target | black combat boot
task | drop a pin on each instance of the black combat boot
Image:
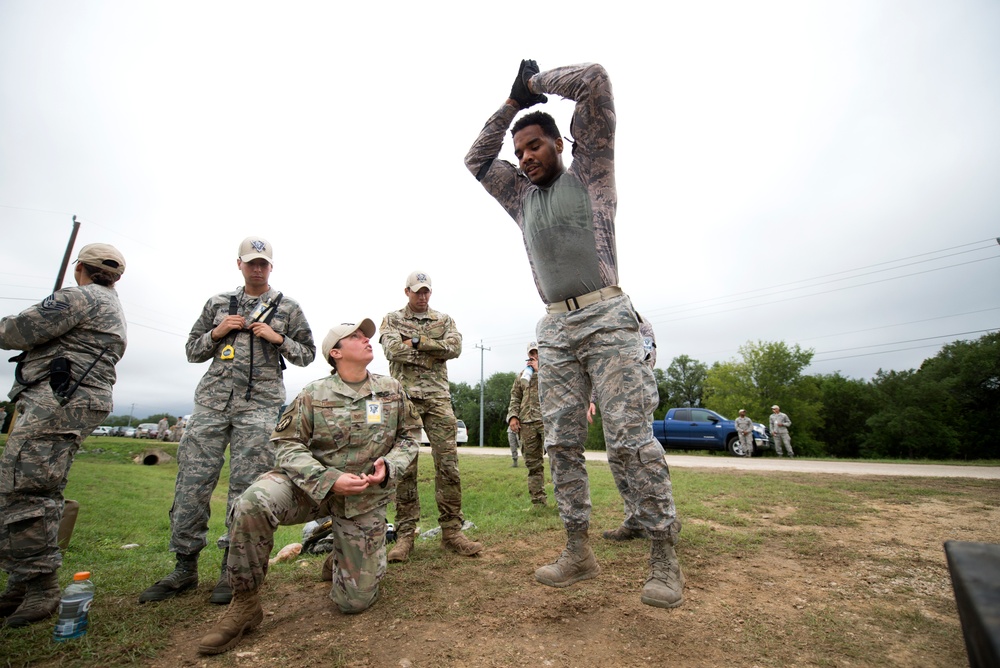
(223, 593)
(184, 577)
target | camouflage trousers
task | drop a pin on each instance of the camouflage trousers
(440, 425)
(273, 500)
(33, 473)
(746, 442)
(200, 457)
(514, 445)
(531, 436)
(599, 347)
(783, 439)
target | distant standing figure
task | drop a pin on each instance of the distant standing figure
(779, 430)
(3, 419)
(744, 430)
(72, 341)
(247, 334)
(514, 445)
(162, 429)
(524, 417)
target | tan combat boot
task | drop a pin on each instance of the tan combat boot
(242, 615)
(455, 541)
(401, 552)
(326, 575)
(665, 586)
(41, 600)
(577, 562)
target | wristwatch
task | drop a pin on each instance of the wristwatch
(415, 341)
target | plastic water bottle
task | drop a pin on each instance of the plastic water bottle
(527, 374)
(74, 607)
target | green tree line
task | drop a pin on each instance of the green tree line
(949, 408)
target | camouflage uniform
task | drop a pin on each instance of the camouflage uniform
(569, 235)
(424, 375)
(75, 323)
(323, 434)
(513, 443)
(224, 415)
(524, 406)
(779, 424)
(744, 431)
(614, 462)
(163, 429)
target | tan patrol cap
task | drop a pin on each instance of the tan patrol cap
(255, 247)
(104, 256)
(775, 408)
(417, 280)
(344, 330)
(532, 346)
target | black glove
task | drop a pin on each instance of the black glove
(519, 92)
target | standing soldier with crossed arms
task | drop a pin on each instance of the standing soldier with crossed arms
(418, 341)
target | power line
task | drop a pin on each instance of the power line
(902, 324)
(896, 343)
(823, 292)
(992, 242)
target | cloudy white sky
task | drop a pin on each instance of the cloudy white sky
(820, 173)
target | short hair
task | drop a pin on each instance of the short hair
(539, 118)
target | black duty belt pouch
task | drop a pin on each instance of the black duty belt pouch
(59, 376)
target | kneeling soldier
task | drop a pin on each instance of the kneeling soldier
(340, 448)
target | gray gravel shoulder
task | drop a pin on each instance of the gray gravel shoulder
(797, 465)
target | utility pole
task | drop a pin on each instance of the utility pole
(130, 411)
(482, 388)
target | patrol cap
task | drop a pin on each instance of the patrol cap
(743, 410)
(104, 256)
(253, 248)
(417, 280)
(344, 330)
(775, 407)
(532, 346)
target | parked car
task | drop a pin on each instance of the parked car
(101, 431)
(127, 432)
(702, 429)
(461, 435)
(147, 430)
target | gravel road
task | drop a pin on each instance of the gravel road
(719, 461)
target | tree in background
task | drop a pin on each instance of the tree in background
(465, 404)
(496, 398)
(847, 405)
(769, 372)
(913, 420)
(684, 382)
(949, 408)
(970, 372)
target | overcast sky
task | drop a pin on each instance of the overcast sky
(820, 173)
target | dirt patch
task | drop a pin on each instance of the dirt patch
(873, 594)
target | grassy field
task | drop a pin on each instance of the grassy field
(123, 503)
